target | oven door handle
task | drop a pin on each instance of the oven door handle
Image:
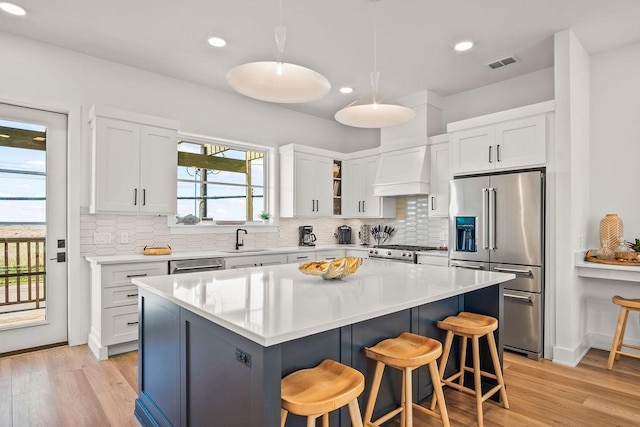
(514, 271)
(470, 267)
(518, 297)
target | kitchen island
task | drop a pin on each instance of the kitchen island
(214, 346)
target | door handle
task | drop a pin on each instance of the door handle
(136, 275)
(433, 203)
(498, 152)
(131, 295)
(485, 218)
(363, 210)
(514, 270)
(518, 297)
(135, 197)
(470, 267)
(144, 197)
(60, 257)
(359, 209)
(492, 219)
(132, 323)
(490, 160)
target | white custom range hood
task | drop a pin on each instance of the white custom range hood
(404, 167)
(403, 172)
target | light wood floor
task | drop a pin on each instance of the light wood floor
(67, 386)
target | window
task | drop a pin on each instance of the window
(221, 181)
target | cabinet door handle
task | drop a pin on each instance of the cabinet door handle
(363, 206)
(303, 257)
(498, 152)
(359, 202)
(136, 275)
(131, 295)
(514, 271)
(490, 148)
(132, 323)
(317, 205)
(135, 197)
(144, 197)
(518, 297)
(433, 203)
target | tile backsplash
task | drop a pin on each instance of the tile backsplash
(412, 224)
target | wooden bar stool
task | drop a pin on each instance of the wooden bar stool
(618, 337)
(406, 353)
(474, 326)
(317, 391)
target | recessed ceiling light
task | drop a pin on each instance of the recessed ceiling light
(2, 135)
(346, 89)
(462, 46)
(13, 9)
(217, 41)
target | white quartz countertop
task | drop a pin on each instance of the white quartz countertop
(274, 304)
(118, 259)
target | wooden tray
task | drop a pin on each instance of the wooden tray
(591, 258)
(164, 250)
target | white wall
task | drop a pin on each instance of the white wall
(517, 92)
(615, 156)
(42, 75)
(571, 194)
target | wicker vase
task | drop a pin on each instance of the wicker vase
(611, 231)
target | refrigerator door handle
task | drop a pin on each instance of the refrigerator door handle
(485, 218)
(492, 219)
(470, 267)
(518, 297)
(514, 270)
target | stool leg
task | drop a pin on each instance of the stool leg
(311, 420)
(354, 413)
(443, 362)
(477, 378)
(373, 394)
(437, 391)
(496, 366)
(624, 328)
(283, 417)
(403, 400)
(617, 337)
(463, 360)
(325, 419)
(408, 387)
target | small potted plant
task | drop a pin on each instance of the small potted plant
(635, 247)
(265, 216)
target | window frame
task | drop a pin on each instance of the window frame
(268, 189)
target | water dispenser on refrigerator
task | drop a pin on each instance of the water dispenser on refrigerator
(466, 234)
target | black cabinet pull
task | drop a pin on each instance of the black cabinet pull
(490, 147)
(136, 275)
(135, 197)
(132, 323)
(498, 151)
(131, 295)
(144, 197)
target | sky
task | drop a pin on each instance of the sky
(22, 185)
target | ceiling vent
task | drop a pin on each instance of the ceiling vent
(503, 62)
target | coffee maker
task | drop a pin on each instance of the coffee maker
(343, 234)
(306, 236)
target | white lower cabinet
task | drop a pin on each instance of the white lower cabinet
(254, 261)
(433, 260)
(114, 305)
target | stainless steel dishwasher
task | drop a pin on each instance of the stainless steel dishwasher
(195, 265)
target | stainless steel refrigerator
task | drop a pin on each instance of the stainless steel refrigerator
(496, 223)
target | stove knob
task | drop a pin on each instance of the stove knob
(389, 253)
(405, 254)
(375, 252)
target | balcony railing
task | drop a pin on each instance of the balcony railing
(22, 273)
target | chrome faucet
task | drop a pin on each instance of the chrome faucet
(238, 242)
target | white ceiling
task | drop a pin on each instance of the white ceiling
(334, 37)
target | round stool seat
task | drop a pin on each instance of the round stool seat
(469, 324)
(321, 389)
(631, 304)
(405, 351)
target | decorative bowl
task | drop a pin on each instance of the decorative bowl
(334, 269)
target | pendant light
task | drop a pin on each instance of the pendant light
(278, 81)
(373, 111)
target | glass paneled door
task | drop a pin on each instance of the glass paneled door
(33, 187)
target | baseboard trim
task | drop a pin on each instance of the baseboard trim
(571, 356)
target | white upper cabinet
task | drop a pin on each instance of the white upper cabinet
(358, 199)
(134, 163)
(440, 175)
(511, 139)
(306, 182)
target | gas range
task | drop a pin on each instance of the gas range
(399, 253)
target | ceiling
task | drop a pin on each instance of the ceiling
(334, 37)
